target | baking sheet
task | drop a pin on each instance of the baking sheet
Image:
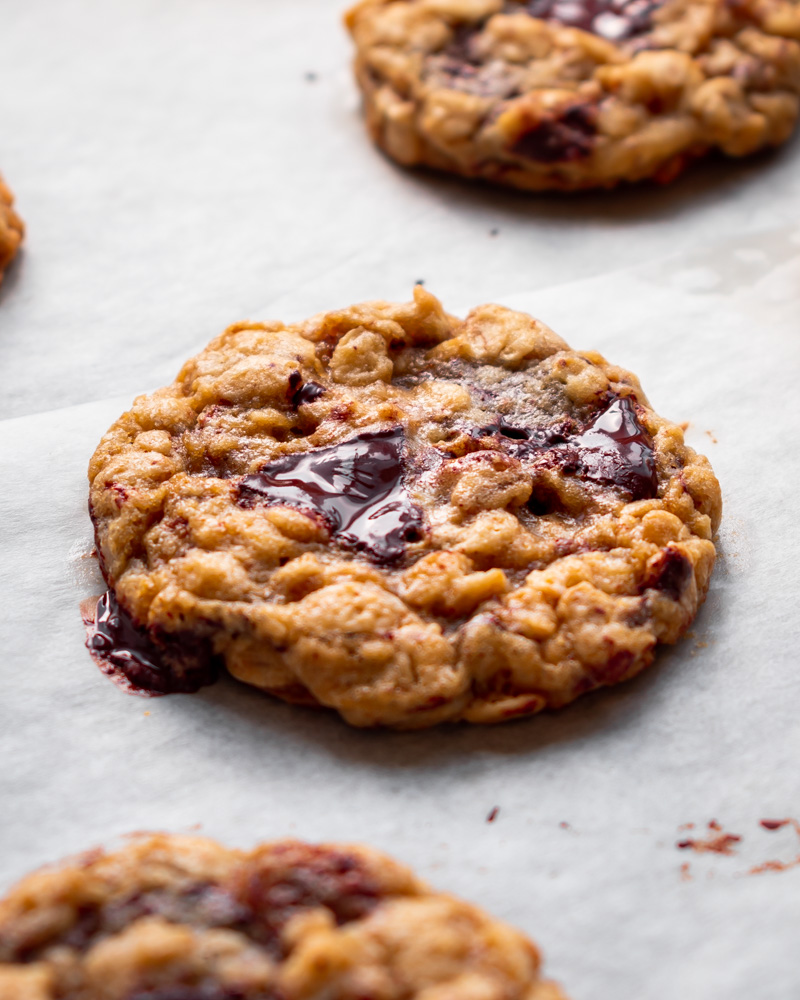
(178, 172)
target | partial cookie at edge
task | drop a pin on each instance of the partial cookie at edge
(11, 228)
(169, 915)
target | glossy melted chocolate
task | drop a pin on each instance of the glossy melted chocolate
(122, 649)
(309, 392)
(613, 450)
(355, 487)
(616, 20)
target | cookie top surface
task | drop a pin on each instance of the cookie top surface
(571, 94)
(404, 516)
(11, 228)
(180, 918)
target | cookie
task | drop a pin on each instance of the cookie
(11, 228)
(400, 515)
(181, 918)
(573, 94)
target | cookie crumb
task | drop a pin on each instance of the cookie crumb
(686, 875)
(493, 815)
(774, 824)
(722, 844)
(564, 825)
(774, 866)
(713, 438)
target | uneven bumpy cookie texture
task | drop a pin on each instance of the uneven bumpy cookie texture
(11, 228)
(404, 516)
(571, 94)
(180, 918)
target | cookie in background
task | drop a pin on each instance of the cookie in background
(574, 94)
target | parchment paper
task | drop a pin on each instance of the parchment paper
(178, 172)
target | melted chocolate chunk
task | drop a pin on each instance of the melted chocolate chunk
(178, 664)
(523, 442)
(355, 487)
(560, 140)
(507, 430)
(203, 904)
(615, 20)
(307, 393)
(302, 877)
(615, 450)
(670, 573)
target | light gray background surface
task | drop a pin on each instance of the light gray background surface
(177, 172)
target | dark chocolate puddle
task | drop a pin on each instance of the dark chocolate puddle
(138, 663)
(355, 487)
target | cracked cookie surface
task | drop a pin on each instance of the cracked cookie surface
(11, 228)
(400, 515)
(574, 94)
(182, 918)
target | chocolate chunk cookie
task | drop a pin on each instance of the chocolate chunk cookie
(572, 94)
(180, 918)
(400, 515)
(11, 228)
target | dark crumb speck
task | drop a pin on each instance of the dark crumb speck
(494, 232)
(311, 77)
(420, 281)
(493, 815)
(774, 824)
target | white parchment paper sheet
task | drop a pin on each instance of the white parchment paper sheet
(178, 172)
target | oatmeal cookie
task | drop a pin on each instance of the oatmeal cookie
(573, 94)
(11, 228)
(400, 515)
(182, 918)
